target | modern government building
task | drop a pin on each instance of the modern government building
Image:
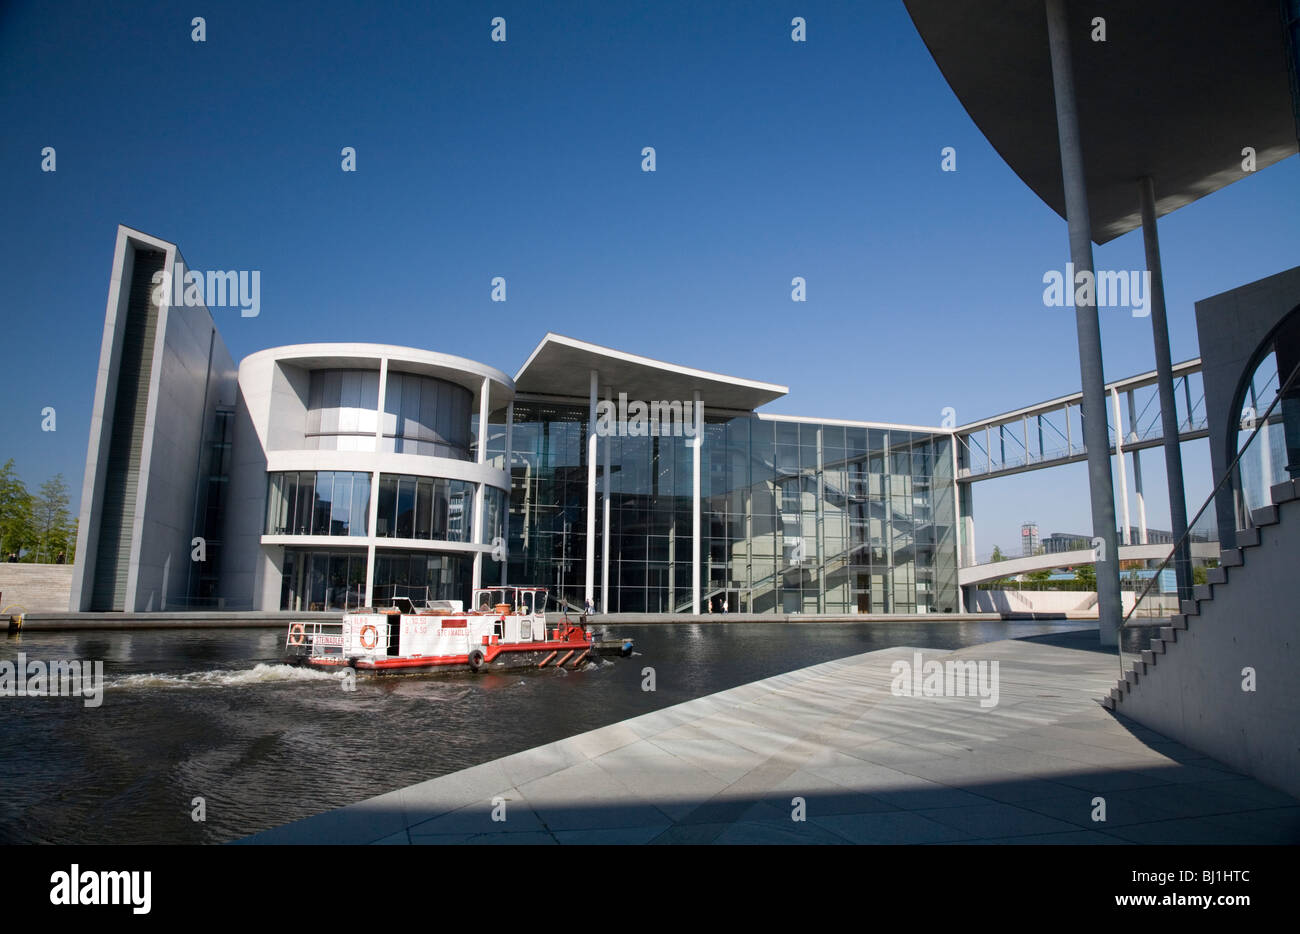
(326, 476)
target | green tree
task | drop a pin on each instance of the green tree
(16, 532)
(997, 554)
(1086, 574)
(51, 521)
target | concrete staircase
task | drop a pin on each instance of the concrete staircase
(1203, 594)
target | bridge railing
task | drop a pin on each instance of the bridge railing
(1052, 432)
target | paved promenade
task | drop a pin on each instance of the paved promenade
(867, 767)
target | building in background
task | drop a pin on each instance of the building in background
(1029, 539)
(327, 476)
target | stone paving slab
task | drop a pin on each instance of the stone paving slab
(834, 745)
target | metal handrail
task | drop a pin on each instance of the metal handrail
(1185, 541)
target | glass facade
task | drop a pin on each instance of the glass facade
(430, 509)
(310, 502)
(423, 415)
(797, 517)
(318, 579)
(422, 575)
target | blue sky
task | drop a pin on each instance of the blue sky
(477, 159)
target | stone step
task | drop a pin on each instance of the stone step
(1230, 558)
(1148, 657)
(1168, 635)
(1203, 592)
(1178, 622)
(1284, 492)
(1247, 538)
(1108, 703)
(1189, 608)
(1158, 646)
(1264, 515)
(1217, 575)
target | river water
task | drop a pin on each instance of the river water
(213, 713)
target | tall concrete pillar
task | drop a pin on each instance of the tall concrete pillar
(372, 527)
(604, 530)
(1165, 386)
(510, 490)
(1137, 472)
(1124, 530)
(1109, 605)
(697, 444)
(480, 490)
(589, 593)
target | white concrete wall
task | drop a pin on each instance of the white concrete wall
(242, 567)
(290, 391)
(1194, 693)
(1073, 602)
(37, 588)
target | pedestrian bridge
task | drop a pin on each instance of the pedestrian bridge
(979, 573)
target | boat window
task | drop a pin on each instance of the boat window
(486, 600)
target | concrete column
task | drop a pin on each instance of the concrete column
(510, 488)
(373, 529)
(604, 529)
(370, 575)
(484, 397)
(589, 592)
(821, 520)
(965, 521)
(1137, 472)
(697, 443)
(372, 532)
(1165, 385)
(1109, 606)
(1124, 533)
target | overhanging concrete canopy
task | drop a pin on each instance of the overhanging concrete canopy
(562, 366)
(1176, 91)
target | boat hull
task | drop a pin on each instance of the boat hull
(494, 658)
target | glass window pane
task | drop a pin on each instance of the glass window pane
(423, 504)
(360, 517)
(341, 504)
(320, 522)
(386, 520)
(405, 507)
(306, 503)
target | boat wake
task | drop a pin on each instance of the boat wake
(260, 673)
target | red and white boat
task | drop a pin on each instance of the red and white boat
(509, 629)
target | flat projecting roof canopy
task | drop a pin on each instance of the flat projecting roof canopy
(1176, 91)
(562, 366)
